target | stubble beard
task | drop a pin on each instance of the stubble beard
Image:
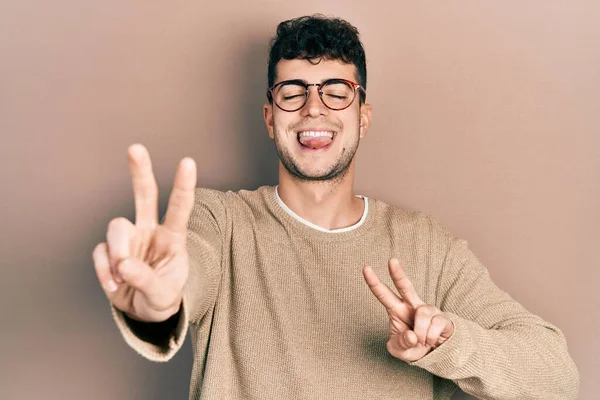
(334, 174)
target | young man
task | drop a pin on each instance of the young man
(283, 296)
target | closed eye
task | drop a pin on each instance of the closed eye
(337, 96)
(292, 97)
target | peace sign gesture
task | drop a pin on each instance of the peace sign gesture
(143, 267)
(415, 328)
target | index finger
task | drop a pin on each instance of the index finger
(181, 201)
(145, 190)
(403, 284)
(383, 293)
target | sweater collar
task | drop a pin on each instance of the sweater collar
(317, 227)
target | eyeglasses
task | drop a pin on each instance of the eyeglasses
(336, 94)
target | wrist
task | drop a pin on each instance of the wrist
(155, 316)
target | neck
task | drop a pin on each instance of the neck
(328, 204)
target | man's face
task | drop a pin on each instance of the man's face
(302, 138)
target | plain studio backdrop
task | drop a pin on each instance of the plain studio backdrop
(486, 115)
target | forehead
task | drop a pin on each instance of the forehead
(314, 73)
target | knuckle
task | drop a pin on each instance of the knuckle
(439, 319)
(424, 311)
(138, 280)
(389, 346)
(392, 346)
(99, 250)
(391, 329)
(129, 271)
(151, 189)
(102, 269)
(117, 223)
(406, 282)
(135, 273)
(147, 197)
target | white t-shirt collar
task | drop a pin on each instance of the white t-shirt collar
(317, 227)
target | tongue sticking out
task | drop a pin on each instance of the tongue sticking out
(315, 142)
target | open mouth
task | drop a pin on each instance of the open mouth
(315, 140)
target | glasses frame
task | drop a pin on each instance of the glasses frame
(300, 82)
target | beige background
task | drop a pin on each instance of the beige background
(486, 115)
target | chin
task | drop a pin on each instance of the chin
(331, 174)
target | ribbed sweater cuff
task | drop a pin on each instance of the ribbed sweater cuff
(154, 352)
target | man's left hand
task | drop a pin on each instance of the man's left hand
(415, 328)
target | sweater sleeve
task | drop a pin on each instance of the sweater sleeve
(161, 341)
(498, 350)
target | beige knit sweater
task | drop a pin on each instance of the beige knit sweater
(279, 310)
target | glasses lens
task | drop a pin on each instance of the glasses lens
(290, 96)
(337, 94)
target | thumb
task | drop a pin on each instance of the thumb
(139, 275)
(158, 301)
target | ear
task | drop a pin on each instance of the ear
(268, 116)
(366, 113)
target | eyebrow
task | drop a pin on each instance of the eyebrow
(305, 82)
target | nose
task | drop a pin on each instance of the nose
(314, 107)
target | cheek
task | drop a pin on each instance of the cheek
(281, 123)
(350, 125)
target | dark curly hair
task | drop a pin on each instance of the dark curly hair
(317, 37)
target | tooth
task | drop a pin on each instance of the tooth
(316, 134)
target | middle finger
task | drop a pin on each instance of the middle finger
(181, 201)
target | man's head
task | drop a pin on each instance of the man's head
(316, 37)
(317, 88)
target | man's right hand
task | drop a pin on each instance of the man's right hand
(143, 267)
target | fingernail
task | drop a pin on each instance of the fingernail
(111, 286)
(136, 149)
(118, 278)
(187, 163)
